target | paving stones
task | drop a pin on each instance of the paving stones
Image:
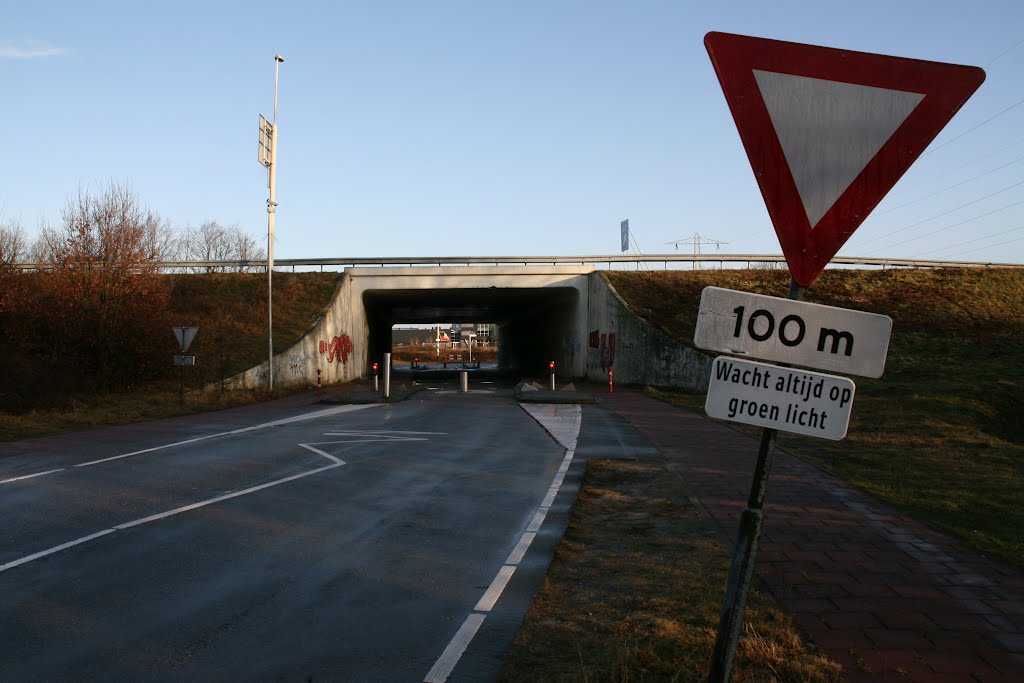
(886, 597)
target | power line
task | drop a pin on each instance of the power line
(948, 227)
(993, 246)
(939, 215)
(1004, 53)
(971, 130)
(950, 187)
(977, 239)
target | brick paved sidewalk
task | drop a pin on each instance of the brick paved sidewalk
(889, 599)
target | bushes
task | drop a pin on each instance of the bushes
(97, 317)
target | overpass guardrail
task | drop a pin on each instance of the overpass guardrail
(640, 261)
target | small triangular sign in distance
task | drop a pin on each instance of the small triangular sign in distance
(185, 335)
(829, 132)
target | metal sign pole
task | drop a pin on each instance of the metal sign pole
(742, 570)
(271, 210)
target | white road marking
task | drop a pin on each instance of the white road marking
(445, 664)
(517, 554)
(335, 462)
(30, 476)
(309, 447)
(494, 591)
(226, 496)
(176, 511)
(55, 549)
(563, 423)
(276, 423)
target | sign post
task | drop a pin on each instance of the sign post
(184, 335)
(828, 133)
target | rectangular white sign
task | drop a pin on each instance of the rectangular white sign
(787, 399)
(813, 335)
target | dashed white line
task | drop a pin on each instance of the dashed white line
(494, 591)
(563, 422)
(445, 664)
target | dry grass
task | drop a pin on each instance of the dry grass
(635, 590)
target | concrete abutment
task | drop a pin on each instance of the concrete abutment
(567, 314)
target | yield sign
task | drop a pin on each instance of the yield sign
(829, 132)
(185, 335)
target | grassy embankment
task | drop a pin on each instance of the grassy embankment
(231, 313)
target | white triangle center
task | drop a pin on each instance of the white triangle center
(829, 131)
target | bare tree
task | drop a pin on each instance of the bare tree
(212, 241)
(13, 244)
(103, 294)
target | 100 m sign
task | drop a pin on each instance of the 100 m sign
(797, 332)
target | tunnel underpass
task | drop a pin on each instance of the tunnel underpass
(532, 323)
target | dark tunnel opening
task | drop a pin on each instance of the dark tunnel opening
(531, 322)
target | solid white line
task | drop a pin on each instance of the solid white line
(444, 665)
(519, 552)
(55, 549)
(494, 591)
(276, 423)
(227, 496)
(330, 457)
(386, 439)
(30, 476)
(550, 498)
(171, 513)
(381, 432)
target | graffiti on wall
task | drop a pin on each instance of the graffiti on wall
(604, 342)
(338, 349)
(297, 363)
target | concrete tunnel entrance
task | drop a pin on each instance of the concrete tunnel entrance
(532, 323)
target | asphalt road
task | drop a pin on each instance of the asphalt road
(396, 542)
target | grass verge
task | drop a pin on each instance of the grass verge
(153, 402)
(634, 593)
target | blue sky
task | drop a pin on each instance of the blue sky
(479, 128)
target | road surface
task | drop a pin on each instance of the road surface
(348, 542)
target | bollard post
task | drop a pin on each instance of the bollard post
(464, 382)
(387, 376)
(611, 384)
(318, 384)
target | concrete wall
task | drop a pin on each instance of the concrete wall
(335, 344)
(573, 316)
(637, 352)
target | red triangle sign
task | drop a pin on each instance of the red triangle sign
(829, 132)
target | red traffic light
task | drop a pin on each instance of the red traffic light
(375, 367)
(551, 365)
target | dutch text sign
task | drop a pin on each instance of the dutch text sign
(787, 399)
(789, 331)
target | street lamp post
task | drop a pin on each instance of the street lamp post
(268, 157)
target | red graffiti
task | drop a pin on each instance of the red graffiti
(605, 349)
(595, 339)
(338, 349)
